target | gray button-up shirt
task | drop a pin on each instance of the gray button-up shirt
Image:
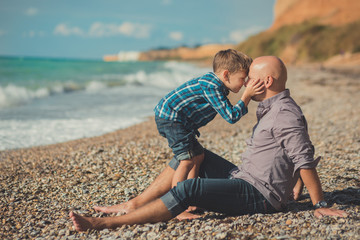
(279, 147)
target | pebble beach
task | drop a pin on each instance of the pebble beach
(39, 186)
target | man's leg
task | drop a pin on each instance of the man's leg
(159, 187)
(153, 212)
(213, 166)
(229, 196)
(216, 192)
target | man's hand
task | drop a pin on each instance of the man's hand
(321, 212)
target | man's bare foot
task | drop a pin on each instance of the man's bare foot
(186, 216)
(123, 208)
(82, 223)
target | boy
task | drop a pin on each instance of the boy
(195, 103)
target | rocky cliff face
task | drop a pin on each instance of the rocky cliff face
(328, 12)
(286, 12)
(184, 53)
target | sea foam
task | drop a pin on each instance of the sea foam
(12, 95)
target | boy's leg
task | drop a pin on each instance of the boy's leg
(152, 212)
(159, 187)
(197, 160)
(194, 173)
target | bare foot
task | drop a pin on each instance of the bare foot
(191, 209)
(186, 215)
(82, 223)
(194, 209)
(123, 208)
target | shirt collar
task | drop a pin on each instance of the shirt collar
(265, 105)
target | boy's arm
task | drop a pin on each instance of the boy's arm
(313, 185)
(222, 105)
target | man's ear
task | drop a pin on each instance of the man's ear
(269, 81)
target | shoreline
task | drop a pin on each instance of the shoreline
(40, 185)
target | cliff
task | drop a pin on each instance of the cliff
(302, 31)
(184, 53)
(326, 12)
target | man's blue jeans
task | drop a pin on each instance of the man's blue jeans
(216, 191)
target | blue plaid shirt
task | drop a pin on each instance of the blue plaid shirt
(196, 102)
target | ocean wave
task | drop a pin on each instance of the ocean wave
(12, 95)
(95, 86)
(170, 76)
(167, 75)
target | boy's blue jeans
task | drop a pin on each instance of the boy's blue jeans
(216, 191)
(181, 140)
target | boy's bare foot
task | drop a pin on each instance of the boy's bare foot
(187, 216)
(194, 209)
(82, 223)
(123, 208)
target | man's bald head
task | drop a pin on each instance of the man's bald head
(272, 71)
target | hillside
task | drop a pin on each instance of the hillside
(306, 43)
(323, 12)
(303, 31)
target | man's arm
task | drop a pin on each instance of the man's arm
(313, 185)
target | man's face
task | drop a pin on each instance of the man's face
(253, 76)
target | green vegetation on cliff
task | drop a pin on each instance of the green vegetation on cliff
(312, 42)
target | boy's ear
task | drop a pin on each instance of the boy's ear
(226, 75)
(269, 81)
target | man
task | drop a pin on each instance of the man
(278, 153)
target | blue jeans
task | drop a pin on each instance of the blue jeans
(181, 140)
(216, 191)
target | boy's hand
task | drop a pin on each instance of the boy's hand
(254, 87)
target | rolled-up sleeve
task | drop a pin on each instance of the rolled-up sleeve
(292, 135)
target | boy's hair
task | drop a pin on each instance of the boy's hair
(231, 60)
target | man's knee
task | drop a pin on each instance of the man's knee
(187, 190)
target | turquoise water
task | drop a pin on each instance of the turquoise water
(45, 101)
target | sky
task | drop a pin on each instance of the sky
(89, 29)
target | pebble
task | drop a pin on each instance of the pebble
(39, 186)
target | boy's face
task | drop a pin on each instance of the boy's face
(235, 81)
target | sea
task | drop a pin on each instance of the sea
(45, 101)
